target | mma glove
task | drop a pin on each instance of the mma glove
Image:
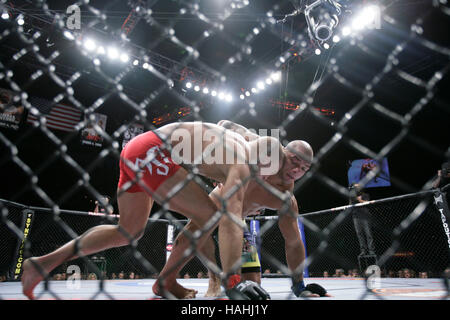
(300, 290)
(246, 290)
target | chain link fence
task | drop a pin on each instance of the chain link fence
(366, 235)
(346, 253)
(393, 77)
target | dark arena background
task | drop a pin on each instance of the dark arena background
(366, 83)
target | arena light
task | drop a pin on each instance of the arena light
(336, 39)
(188, 85)
(20, 20)
(346, 31)
(197, 88)
(113, 53)
(229, 98)
(367, 17)
(5, 15)
(276, 76)
(89, 44)
(317, 52)
(260, 85)
(205, 90)
(124, 57)
(214, 93)
(69, 35)
(136, 62)
(101, 50)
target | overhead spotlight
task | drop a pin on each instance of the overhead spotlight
(221, 96)
(136, 62)
(124, 57)
(326, 46)
(254, 90)
(317, 52)
(346, 31)
(20, 20)
(197, 88)
(276, 76)
(247, 93)
(260, 85)
(367, 17)
(229, 97)
(68, 35)
(101, 50)
(214, 93)
(5, 15)
(113, 53)
(146, 66)
(205, 90)
(336, 39)
(242, 97)
(89, 44)
(188, 85)
(269, 81)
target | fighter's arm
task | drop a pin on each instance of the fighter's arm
(295, 252)
(231, 225)
(294, 247)
(233, 189)
(243, 131)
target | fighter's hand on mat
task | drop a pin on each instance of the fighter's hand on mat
(247, 290)
(312, 290)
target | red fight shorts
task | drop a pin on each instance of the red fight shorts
(145, 155)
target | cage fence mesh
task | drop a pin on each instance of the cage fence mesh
(393, 77)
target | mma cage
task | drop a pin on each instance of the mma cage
(408, 231)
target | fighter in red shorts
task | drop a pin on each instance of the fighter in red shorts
(298, 156)
(149, 172)
(146, 151)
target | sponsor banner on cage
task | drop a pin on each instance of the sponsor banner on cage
(132, 131)
(91, 135)
(27, 222)
(11, 112)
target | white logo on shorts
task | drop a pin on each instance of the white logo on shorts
(150, 160)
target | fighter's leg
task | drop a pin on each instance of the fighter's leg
(214, 283)
(134, 210)
(193, 202)
(208, 250)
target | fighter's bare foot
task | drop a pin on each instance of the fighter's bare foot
(213, 293)
(173, 290)
(30, 278)
(214, 288)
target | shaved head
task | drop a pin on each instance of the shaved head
(302, 149)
